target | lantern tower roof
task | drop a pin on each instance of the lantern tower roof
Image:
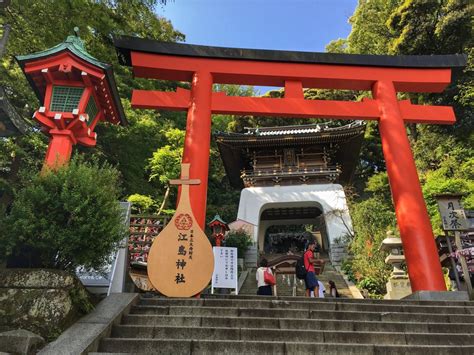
(216, 221)
(100, 73)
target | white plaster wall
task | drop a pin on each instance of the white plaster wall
(328, 197)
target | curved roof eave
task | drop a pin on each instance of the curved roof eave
(109, 75)
(125, 44)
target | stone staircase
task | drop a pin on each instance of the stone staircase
(285, 282)
(292, 325)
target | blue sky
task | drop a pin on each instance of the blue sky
(300, 25)
(306, 25)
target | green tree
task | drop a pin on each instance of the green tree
(141, 203)
(66, 218)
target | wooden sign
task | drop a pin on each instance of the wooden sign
(180, 261)
(452, 213)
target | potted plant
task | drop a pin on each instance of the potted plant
(239, 239)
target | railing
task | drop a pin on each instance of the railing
(277, 175)
(286, 264)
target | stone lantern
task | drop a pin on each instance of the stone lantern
(76, 92)
(219, 228)
(398, 285)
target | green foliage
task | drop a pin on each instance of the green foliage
(379, 186)
(346, 268)
(374, 286)
(81, 300)
(165, 163)
(438, 182)
(238, 239)
(370, 34)
(371, 218)
(141, 203)
(66, 218)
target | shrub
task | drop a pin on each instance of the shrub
(65, 218)
(239, 239)
(346, 268)
(141, 203)
(372, 285)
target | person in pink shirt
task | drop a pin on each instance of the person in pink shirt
(311, 281)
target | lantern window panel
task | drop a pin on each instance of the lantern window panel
(65, 98)
(91, 109)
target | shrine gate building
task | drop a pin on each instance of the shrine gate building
(292, 175)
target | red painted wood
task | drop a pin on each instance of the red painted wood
(293, 89)
(63, 58)
(59, 148)
(66, 69)
(419, 246)
(426, 114)
(197, 142)
(246, 72)
(160, 100)
(236, 105)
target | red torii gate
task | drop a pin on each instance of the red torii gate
(383, 75)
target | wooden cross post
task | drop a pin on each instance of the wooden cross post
(185, 180)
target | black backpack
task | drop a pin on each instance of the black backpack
(300, 269)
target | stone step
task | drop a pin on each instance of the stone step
(300, 335)
(293, 323)
(329, 299)
(184, 346)
(285, 283)
(327, 305)
(393, 315)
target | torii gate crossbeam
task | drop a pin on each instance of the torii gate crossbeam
(384, 76)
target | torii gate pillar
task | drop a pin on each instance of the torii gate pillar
(197, 141)
(410, 209)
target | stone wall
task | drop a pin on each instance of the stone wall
(337, 254)
(43, 301)
(251, 256)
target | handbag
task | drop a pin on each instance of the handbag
(268, 278)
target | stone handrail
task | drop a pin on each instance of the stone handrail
(285, 264)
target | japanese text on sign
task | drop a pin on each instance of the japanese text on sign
(185, 251)
(452, 214)
(225, 268)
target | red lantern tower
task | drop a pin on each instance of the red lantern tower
(219, 227)
(76, 91)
